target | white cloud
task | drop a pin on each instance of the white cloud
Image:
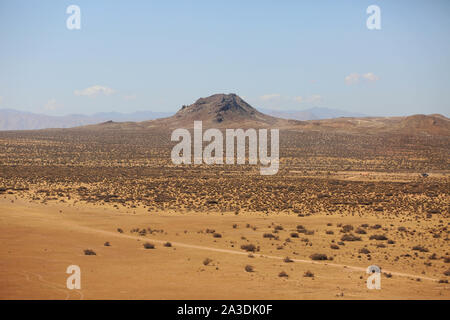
(370, 76)
(94, 91)
(51, 105)
(271, 96)
(299, 99)
(354, 78)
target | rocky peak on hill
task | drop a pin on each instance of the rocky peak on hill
(220, 108)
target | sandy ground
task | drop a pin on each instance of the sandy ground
(39, 242)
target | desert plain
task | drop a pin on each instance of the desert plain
(108, 199)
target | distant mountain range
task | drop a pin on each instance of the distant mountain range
(19, 120)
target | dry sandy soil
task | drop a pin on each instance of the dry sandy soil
(39, 241)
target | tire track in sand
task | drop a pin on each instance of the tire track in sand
(229, 251)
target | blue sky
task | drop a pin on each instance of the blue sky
(285, 55)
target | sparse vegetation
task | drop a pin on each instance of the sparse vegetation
(283, 274)
(350, 237)
(364, 251)
(89, 252)
(318, 256)
(308, 274)
(420, 248)
(378, 237)
(149, 245)
(248, 247)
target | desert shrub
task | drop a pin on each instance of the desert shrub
(119, 230)
(420, 248)
(149, 245)
(443, 281)
(388, 275)
(402, 229)
(268, 235)
(294, 235)
(381, 245)
(391, 241)
(217, 235)
(334, 246)
(318, 256)
(207, 261)
(308, 274)
(360, 231)
(329, 232)
(376, 226)
(89, 252)
(107, 244)
(447, 273)
(287, 260)
(364, 251)
(279, 228)
(249, 268)
(347, 228)
(167, 244)
(433, 257)
(283, 274)
(235, 226)
(249, 247)
(350, 237)
(378, 237)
